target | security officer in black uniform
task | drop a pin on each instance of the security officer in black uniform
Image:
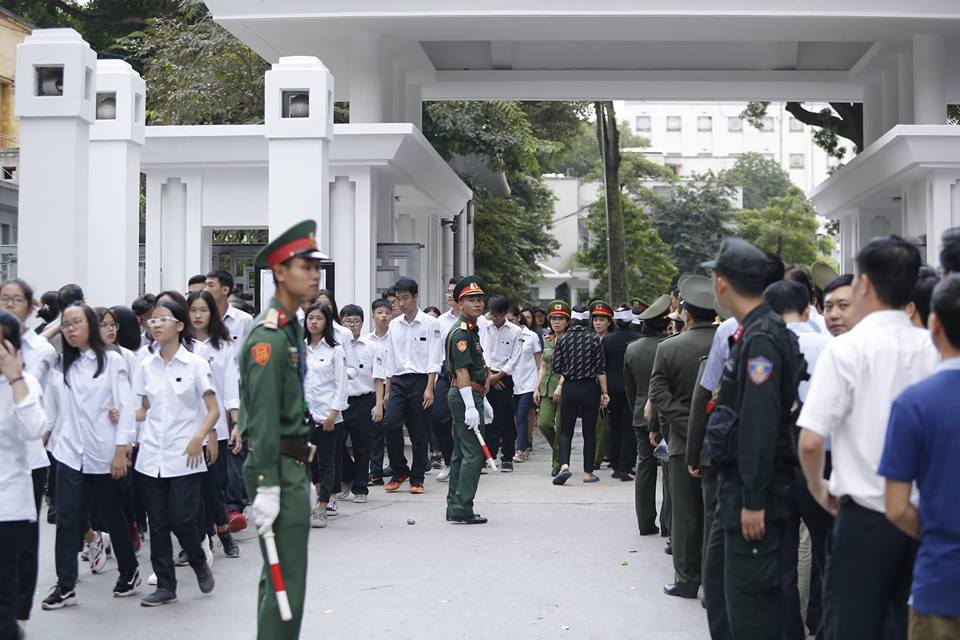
(754, 534)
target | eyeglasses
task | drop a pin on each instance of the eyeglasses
(159, 322)
(76, 324)
(109, 326)
(15, 300)
(351, 321)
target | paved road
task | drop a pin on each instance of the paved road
(551, 563)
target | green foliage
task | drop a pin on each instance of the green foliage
(760, 178)
(786, 227)
(755, 112)
(695, 218)
(649, 268)
(581, 151)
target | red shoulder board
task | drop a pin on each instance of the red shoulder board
(282, 318)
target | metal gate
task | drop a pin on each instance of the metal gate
(397, 260)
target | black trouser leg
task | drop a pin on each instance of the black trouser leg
(503, 429)
(666, 509)
(406, 406)
(212, 504)
(106, 495)
(713, 582)
(235, 490)
(323, 468)
(71, 523)
(708, 486)
(628, 447)
(377, 446)
(155, 494)
(13, 538)
(29, 552)
(619, 417)
(340, 449)
(793, 628)
(818, 522)
(52, 483)
(579, 398)
(645, 484)
(359, 423)
(687, 524)
(441, 422)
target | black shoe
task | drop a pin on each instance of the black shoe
(562, 477)
(375, 482)
(506, 466)
(205, 578)
(474, 519)
(127, 584)
(554, 472)
(59, 598)
(158, 598)
(649, 532)
(615, 475)
(681, 590)
(436, 461)
(230, 547)
(51, 515)
(182, 559)
(626, 477)
(668, 548)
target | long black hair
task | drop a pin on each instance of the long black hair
(128, 327)
(103, 312)
(333, 301)
(71, 354)
(186, 336)
(10, 328)
(328, 333)
(216, 329)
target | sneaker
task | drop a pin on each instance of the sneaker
(416, 487)
(344, 495)
(236, 521)
(127, 584)
(375, 482)
(506, 466)
(230, 547)
(59, 598)
(332, 509)
(360, 498)
(158, 598)
(395, 483)
(135, 537)
(444, 474)
(436, 460)
(97, 554)
(182, 559)
(205, 579)
(318, 518)
(152, 580)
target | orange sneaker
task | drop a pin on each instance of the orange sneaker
(395, 483)
(416, 488)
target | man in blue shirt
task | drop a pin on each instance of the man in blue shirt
(923, 447)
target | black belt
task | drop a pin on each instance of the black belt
(297, 448)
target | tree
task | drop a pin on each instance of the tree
(649, 268)
(760, 178)
(580, 152)
(695, 218)
(608, 137)
(840, 120)
(787, 227)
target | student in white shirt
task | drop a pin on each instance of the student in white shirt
(358, 417)
(525, 378)
(441, 422)
(220, 285)
(501, 344)
(208, 330)
(381, 312)
(179, 410)
(325, 390)
(92, 452)
(21, 421)
(343, 336)
(858, 375)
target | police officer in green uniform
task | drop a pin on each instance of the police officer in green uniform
(276, 471)
(468, 373)
(754, 534)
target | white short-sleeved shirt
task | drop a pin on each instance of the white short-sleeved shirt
(413, 347)
(325, 385)
(501, 346)
(365, 350)
(858, 375)
(238, 323)
(226, 379)
(175, 391)
(719, 350)
(812, 343)
(39, 359)
(380, 355)
(20, 425)
(526, 371)
(87, 439)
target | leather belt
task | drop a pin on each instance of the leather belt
(298, 449)
(479, 388)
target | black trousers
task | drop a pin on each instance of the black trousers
(323, 469)
(686, 525)
(868, 575)
(645, 484)
(13, 539)
(213, 511)
(235, 492)
(405, 406)
(501, 433)
(579, 399)
(819, 523)
(358, 423)
(441, 422)
(172, 505)
(620, 443)
(104, 493)
(29, 562)
(708, 485)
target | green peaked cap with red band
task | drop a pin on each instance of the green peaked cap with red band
(559, 308)
(468, 286)
(300, 240)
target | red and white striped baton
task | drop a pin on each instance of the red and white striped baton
(486, 450)
(283, 604)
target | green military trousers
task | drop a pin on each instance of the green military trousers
(645, 483)
(292, 530)
(468, 458)
(603, 435)
(547, 421)
(686, 522)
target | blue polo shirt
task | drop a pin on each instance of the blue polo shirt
(923, 446)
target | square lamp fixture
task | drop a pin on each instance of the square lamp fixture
(107, 105)
(49, 81)
(295, 103)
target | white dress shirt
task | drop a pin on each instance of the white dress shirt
(39, 359)
(238, 323)
(501, 346)
(817, 322)
(325, 385)
(812, 344)
(526, 372)
(413, 347)
(88, 440)
(226, 380)
(20, 424)
(858, 376)
(719, 350)
(176, 393)
(365, 350)
(380, 355)
(54, 401)
(447, 322)
(345, 337)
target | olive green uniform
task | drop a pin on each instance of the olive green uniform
(637, 366)
(549, 410)
(463, 352)
(271, 411)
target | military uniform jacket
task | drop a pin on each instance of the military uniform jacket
(271, 365)
(697, 424)
(674, 378)
(463, 351)
(637, 366)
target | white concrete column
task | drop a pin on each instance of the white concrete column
(434, 250)
(173, 235)
(447, 240)
(905, 87)
(929, 79)
(889, 99)
(940, 213)
(367, 70)
(116, 139)
(154, 234)
(461, 267)
(55, 98)
(471, 218)
(365, 241)
(872, 115)
(193, 227)
(383, 192)
(849, 241)
(299, 128)
(914, 210)
(343, 236)
(413, 104)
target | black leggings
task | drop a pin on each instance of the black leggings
(579, 398)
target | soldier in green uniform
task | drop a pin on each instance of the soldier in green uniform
(468, 373)
(276, 471)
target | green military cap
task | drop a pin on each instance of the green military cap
(600, 308)
(300, 240)
(658, 309)
(468, 286)
(697, 291)
(637, 301)
(558, 308)
(822, 273)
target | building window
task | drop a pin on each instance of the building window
(5, 234)
(674, 123)
(796, 160)
(675, 168)
(704, 123)
(9, 173)
(736, 156)
(766, 124)
(796, 125)
(768, 156)
(734, 124)
(643, 123)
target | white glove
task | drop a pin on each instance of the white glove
(487, 412)
(265, 508)
(471, 416)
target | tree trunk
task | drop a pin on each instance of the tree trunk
(609, 138)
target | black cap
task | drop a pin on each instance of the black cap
(739, 260)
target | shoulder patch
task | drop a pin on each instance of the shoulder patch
(272, 321)
(462, 346)
(260, 352)
(464, 326)
(759, 370)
